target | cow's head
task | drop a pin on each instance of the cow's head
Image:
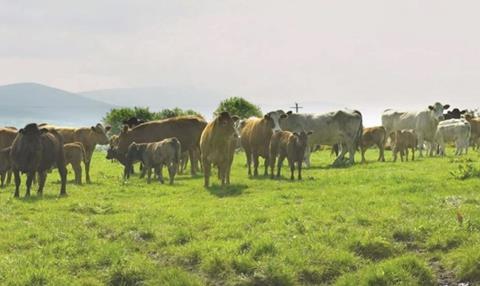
(436, 110)
(276, 116)
(290, 121)
(226, 123)
(302, 138)
(99, 134)
(454, 114)
(269, 123)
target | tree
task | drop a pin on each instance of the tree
(168, 113)
(238, 106)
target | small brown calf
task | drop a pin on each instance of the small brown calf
(402, 141)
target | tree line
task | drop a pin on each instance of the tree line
(234, 105)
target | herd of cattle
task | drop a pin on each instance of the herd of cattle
(36, 149)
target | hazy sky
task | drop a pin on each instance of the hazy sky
(361, 54)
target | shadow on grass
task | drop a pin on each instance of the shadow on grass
(227, 191)
(34, 197)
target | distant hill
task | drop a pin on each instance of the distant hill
(22, 103)
(160, 97)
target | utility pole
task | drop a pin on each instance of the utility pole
(296, 107)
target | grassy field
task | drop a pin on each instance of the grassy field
(376, 224)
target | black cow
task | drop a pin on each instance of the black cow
(454, 114)
(133, 121)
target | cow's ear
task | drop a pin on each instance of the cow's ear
(295, 133)
(289, 112)
(92, 128)
(43, 130)
(283, 116)
(21, 131)
(235, 118)
(266, 116)
(430, 107)
(310, 132)
(446, 106)
(108, 127)
(463, 111)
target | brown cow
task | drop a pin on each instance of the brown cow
(255, 140)
(475, 131)
(402, 140)
(217, 146)
(292, 146)
(88, 136)
(155, 155)
(187, 129)
(373, 136)
(75, 155)
(5, 166)
(37, 150)
(7, 135)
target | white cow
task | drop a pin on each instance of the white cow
(453, 130)
(423, 122)
(339, 127)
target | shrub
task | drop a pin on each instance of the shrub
(238, 106)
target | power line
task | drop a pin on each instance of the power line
(296, 107)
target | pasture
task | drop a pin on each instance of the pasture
(376, 224)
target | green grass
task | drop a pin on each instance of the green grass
(374, 224)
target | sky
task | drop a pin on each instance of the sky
(366, 55)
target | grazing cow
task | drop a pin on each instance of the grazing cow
(217, 146)
(5, 166)
(255, 140)
(453, 130)
(402, 140)
(423, 122)
(475, 129)
(155, 155)
(373, 136)
(289, 145)
(343, 127)
(133, 121)
(7, 136)
(75, 155)
(37, 150)
(454, 114)
(88, 136)
(187, 129)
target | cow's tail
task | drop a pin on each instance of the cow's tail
(358, 136)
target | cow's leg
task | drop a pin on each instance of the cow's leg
(420, 144)
(229, 169)
(363, 150)
(406, 154)
(291, 165)
(206, 171)
(29, 183)
(172, 170)
(248, 155)
(279, 164)
(87, 169)
(42, 177)
(16, 175)
(77, 169)
(306, 156)
(255, 163)
(299, 163)
(265, 173)
(149, 173)
(62, 171)
(273, 158)
(413, 153)
(3, 174)
(9, 177)
(193, 162)
(351, 153)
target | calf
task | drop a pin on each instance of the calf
(217, 147)
(37, 150)
(155, 155)
(5, 166)
(373, 136)
(453, 130)
(255, 140)
(402, 140)
(290, 145)
(75, 155)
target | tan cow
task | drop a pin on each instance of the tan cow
(5, 166)
(475, 129)
(88, 136)
(217, 146)
(288, 145)
(75, 154)
(404, 139)
(255, 140)
(7, 135)
(373, 136)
